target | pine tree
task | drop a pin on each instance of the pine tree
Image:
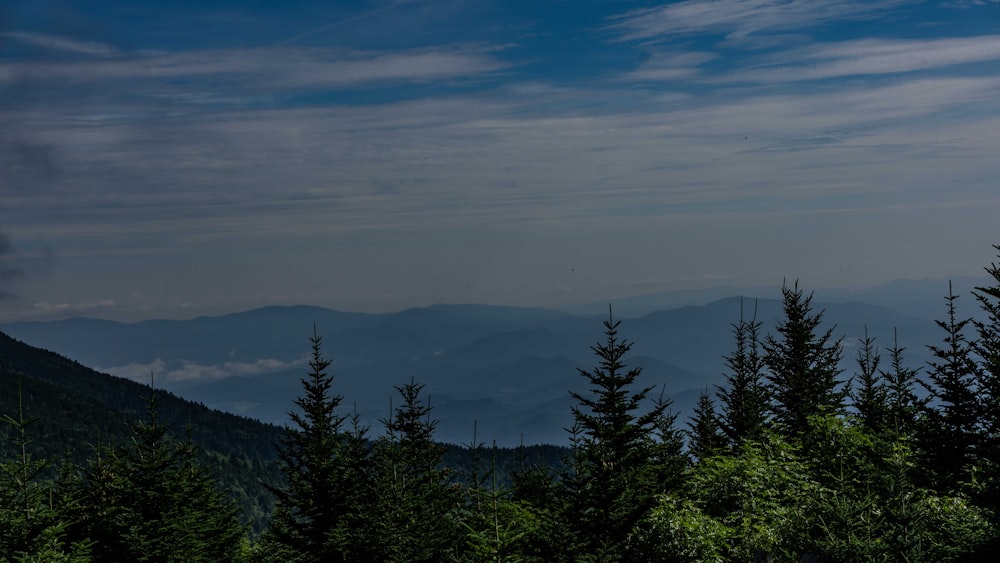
(870, 396)
(152, 501)
(705, 437)
(34, 511)
(948, 435)
(616, 476)
(987, 350)
(744, 396)
(326, 473)
(417, 510)
(902, 402)
(802, 365)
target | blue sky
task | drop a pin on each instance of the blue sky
(169, 159)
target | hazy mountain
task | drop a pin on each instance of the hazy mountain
(511, 369)
(918, 298)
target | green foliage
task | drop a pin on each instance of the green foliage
(760, 495)
(497, 527)
(33, 511)
(151, 500)
(417, 505)
(677, 529)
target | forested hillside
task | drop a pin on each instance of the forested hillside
(793, 456)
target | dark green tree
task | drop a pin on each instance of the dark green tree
(802, 365)
(616, 470)
(743, 397)
(417, 504)
(869, 395)
(904, 406)
(151, 500)
(949, 432)
(34, 511)
(987, 351)
(705, 437)
(323, 510)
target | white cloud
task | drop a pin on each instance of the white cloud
(275, 68)
(63, 44)
(69, 309)
(185, 371)
(869, 57)
(670, 66)
(739, 18)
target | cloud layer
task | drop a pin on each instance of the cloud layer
(484, 158)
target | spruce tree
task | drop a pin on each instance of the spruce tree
(417, 504)
(948, 434)
(705, 437)
(616, 471)
(802, 365)
(870, 395)
(151, 500)
(34, 511)
(987, 351)
(903, 404)
(744, 399)
(322, 486)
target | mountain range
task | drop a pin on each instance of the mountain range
(508, 371)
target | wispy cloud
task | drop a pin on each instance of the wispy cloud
(46, 309)
(739, 18)
(185, 371)
(278, 68)
(869, 57)
(62, 44)
(670, 66)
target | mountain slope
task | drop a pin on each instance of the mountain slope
(78, 408)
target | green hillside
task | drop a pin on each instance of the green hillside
(79, 408)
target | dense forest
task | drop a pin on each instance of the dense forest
(792, 458)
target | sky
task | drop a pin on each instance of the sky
(172, 159)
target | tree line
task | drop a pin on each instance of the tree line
(790, 457)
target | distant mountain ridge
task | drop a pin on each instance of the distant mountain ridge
(509, 369)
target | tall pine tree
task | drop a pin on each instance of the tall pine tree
(802, 365)
(618, 470)
(948, 436)
(744, 395)
(327, 484)
(417, 504)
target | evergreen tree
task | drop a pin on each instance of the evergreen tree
(948, 434)
(902, 402)
(152, 501)
(744, 396)
(616, 477)
(705, 437)
(321, 509)
(34, 512)
(802, 365)
(870, 396)
(417, 510)
(987, 350)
